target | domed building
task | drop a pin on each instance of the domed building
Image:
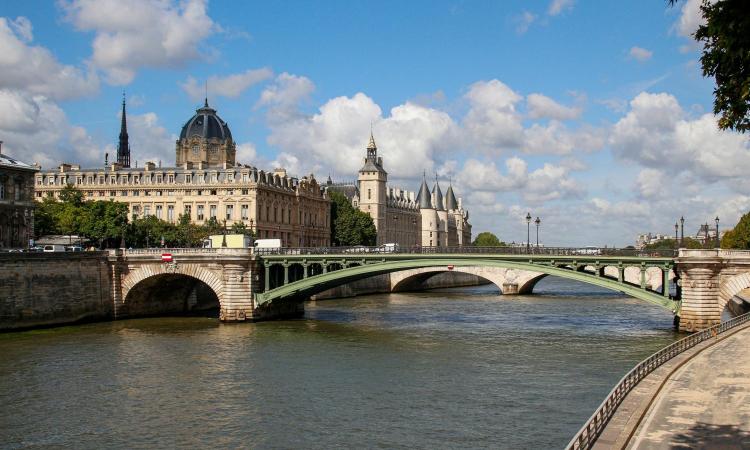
(205, 140)
(205, 184)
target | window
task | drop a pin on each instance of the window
(275, 214)
(51, 180)
(146, 193)
(136, 211)
(158, 178)
(230, 210)
(170, 213)
(137, 179)
(158, 193)
(146, 211)
(158, 211)
(101, 180)
(39, 181)
(200, 178)
(245, 191)
(188, 210)
(170, 193)
(38, 194)
(196, 149)
(198, 192)
(17, 191)
(170, 178)
(101, 193)
(112, 193)
(213, 191)
(212, 211)
(188, 178)
(244, 178)
(112, 180)
(230, 191)
(213, 148)
(268, 212)
(230, 177)
(243, 212)
(213, 178)
(90, 193)
(369, 194)
(79, 180)
(135, 193)
(200, 212)
(89, 180)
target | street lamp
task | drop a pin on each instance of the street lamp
(537, 222)
(718, 242)
(682, 230)
(676, 243)
(224, 234)
(528, 234)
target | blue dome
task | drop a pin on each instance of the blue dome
(206, 124)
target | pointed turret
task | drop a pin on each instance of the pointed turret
(123, 146)
(451, 203)
(423, 197)
(438, 196)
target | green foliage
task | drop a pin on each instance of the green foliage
(739, 236)
(487, 239)
(726, 57)
(106, 222)
(239, 228)
(350, 226)
(666, 244)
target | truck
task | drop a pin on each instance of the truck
(233, 241)
(268, 243)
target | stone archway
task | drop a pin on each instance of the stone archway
(190, 270)
(730, 288)
(508, 281)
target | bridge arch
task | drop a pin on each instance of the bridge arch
(175, 277)
(729, 289)
(507, 281)
(312, 285)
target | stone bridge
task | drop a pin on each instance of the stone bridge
(701, 285)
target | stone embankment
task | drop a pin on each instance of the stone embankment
(44, 289)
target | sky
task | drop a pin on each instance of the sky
(593, 116)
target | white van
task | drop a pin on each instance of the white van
(267, 243)
(389, 248)
(54, 248)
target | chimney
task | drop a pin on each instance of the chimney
(1, 147)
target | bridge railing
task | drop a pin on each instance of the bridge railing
(507, 250)
(588, 434)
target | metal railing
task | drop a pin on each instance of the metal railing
(588, 434)
(514, 250)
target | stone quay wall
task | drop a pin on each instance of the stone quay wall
(44, 289)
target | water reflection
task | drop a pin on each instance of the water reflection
(454, 368)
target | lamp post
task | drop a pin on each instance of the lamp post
(537, 222)
(682, 230)
(224, 234)
(676, 243)
(528, 232)
(718, 242)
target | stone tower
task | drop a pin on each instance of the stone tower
(123, 146)
(430, 221)
(372, 189)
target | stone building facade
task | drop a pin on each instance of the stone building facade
(206, 182)
(426, 219)
(16, 202)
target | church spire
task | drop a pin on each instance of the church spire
(123, 146)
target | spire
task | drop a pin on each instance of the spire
(450, 198)
(205, 103)
(438, 195)
(123, 146)
(423, 197)
(371, 145)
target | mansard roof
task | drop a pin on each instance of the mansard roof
(206, 124)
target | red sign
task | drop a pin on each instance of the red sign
(450, 267)
(166, 257)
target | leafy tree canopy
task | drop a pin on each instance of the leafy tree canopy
(350, 226)
(487, 239)
(739, 236)
(666, 244)
(726, 57)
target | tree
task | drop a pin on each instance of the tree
(240, 228)
(487, 239)
(350, 226)
(666, 244)
(739, 236)
(726, 57)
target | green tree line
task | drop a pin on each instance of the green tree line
(106, 223)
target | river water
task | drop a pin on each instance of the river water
(460, 368)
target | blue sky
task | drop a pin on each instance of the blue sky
(592, 115)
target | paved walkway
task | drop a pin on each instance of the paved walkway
(663, 412)
(703, 404)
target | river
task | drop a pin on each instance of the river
(458, 368)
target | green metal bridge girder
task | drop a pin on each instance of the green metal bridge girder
(371, 265)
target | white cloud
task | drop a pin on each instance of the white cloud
(150, 140)
(657, 133)
(246, 153)
(650, 183)
(231, 86)
(558, 6)
(524, 21)
(283, 96)
(555, 139)
(690, 18)
(541, 106)
(640, 54)
(35, 129)
(493, 123)
(34, 69)
(141, 33)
